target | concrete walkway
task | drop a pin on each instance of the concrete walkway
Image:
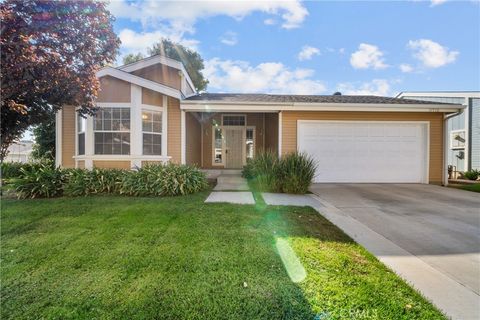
(231, 188)
(231, 182)
(456, 300)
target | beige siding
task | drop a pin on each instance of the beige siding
(81, 164)
(174, 130)
(112, 164)
(162, 74)
(271, 132)
(150, 162)
(113, 90)
(194, 138)
(289, 130)
(68, 137)
(152, 98)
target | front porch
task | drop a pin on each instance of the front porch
(221, 141)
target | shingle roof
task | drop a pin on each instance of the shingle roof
(280, 98)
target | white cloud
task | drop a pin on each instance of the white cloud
(133, 41)
(376, 87)
(405, 67)
(431, 54)
(269, 22)
(367, 56)
(307, 53)
(437, 2)
(341, 50)
(183, 16)
(229, 38)
(268, 77)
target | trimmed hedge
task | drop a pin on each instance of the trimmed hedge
(152, 180)
(293, 173)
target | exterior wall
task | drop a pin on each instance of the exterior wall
(113, 90)
(193, 140)
(112, 164)
(81, 164)
(456, 157)
(144, 163)
(152, 98)
(253, 119)
(174, 130)
(271, 132)
(161, 74)
(289, 131)
(68, 137)
(475, 133)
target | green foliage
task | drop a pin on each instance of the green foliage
(81, 182)
(263, 172)
(192, 60)
(44, 133)
(293, 173)
(164, 180)
(50, 53)
(296, 172)
(131, 58)
(39, 181)
(472, 174)
(11, 170)
(44, 180)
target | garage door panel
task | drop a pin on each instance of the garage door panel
(365, 151)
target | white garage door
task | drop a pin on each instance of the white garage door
(351, 151)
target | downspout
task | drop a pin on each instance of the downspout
(445, 144)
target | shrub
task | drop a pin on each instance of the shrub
(81, 182)
(293, 173)
(296, 172)
(472, 174)
(153, 180)
(11, 170)
(263, 172)
(164, 180)
(39, 181)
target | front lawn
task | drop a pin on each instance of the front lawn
(469, 187)
(178, 258)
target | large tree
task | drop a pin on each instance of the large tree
(44, 134)
(50, 52)
(191, 59)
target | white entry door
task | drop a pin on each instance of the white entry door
(234, 146)
(369, 151)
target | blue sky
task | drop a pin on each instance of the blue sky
(316, 47)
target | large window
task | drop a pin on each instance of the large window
(152, 132)
(112, 131)
(81, 125)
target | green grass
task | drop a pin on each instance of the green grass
(468, 187)
(178, 258)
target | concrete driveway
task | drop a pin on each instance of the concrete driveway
(438, 225)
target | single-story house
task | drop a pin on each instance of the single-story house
(150, 112)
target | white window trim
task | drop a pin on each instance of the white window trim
(234, 115)
(452, 134)
(77, 116)
(254, 140)
(149, 108)
(111, 105)
(215, 164)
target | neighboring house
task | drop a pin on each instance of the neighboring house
(150, 113)
(463, 129)
(19, 151)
